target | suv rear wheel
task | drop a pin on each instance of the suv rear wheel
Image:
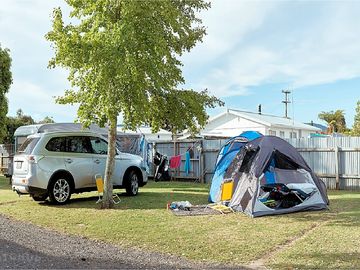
(132, 184)
(60, 190)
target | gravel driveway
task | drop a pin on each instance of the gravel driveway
(23, 245)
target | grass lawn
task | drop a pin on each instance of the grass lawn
(144, 222)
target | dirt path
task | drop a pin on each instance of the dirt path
(259, 264)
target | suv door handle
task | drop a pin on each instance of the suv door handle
(97, 161)
(68, 160)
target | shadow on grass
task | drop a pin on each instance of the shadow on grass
(178, 184)
(144, 200)
(344, 211)
(5, 183)
(346, 261)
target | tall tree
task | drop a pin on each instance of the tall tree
(123, 57)
(5, 82)
(356, 126)
(335, 119)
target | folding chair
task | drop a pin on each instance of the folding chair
(100, 189)
(226, 195)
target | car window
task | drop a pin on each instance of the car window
(28, 145)
(78, 144)
(99, 146)
(56, 144)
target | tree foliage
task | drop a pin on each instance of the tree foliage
(123, 57)
(335, 119)
(47, 120)
(12, 123)
(356, 126)
(5, 82)
(21, 119)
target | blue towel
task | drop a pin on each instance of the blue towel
(187, 163)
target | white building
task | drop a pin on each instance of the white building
(233, 122)
(161, 135)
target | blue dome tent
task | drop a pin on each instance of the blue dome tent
(226, 155)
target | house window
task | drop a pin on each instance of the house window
(293, 135)
(282, 134)
(272, 132)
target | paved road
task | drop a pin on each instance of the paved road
(23, 245)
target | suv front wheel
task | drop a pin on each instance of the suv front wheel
(60, 191)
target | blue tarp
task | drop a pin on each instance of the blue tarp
(226, 155)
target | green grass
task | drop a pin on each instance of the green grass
(144, 222)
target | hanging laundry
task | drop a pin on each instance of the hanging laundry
(187, 163)
(175, 162)
(191, 152)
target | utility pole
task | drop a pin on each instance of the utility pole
(286, 101)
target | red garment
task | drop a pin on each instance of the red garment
(175, 162)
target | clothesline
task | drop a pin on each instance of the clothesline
(175, 161)
(192, 147)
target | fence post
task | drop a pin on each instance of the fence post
(337, 166)
(154, 150)
(201, 163)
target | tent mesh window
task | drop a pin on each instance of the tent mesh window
(248, 160)
(284, 162)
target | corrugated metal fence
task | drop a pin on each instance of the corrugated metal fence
(334, 160)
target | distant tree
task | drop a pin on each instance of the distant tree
(23, 118)
(123, 57)
(47, 120)
(335, 120)
(356, 126)
(12, 123)
(5, 82)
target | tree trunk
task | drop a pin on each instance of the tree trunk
(108, 201)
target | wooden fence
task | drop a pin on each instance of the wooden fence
(6, 154)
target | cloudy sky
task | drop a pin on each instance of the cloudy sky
(253, 50)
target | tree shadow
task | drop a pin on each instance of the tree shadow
(178, 184)
(145, 200)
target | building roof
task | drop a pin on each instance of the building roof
(322, 127)
(270, 120)
(144, 130)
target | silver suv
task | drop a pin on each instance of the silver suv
(57, 164)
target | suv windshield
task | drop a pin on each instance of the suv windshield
(28, 146)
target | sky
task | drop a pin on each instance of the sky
(253, 50)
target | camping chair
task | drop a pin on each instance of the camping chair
(284, 194)
(302, 190)
(100, 189)
(226, 195)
